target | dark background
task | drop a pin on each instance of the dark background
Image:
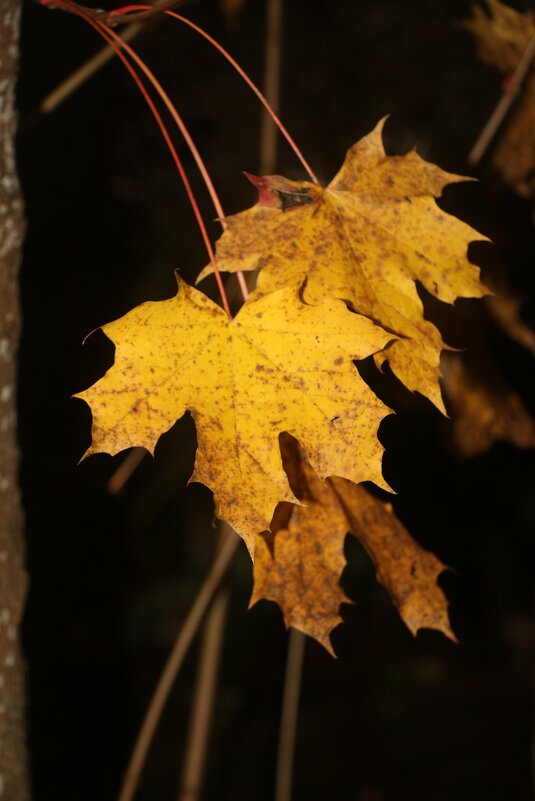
(394, 718)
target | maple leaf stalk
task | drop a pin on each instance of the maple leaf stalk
(133, 11)
(125, 10)
(198, 160)
(112, 38)
(117, 43)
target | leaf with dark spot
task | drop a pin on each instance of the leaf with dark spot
(272, 375)
(367, 239)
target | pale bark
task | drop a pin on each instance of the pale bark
(14, 784)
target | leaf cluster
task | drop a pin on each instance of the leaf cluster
(338, 273)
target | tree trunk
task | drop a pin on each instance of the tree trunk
(14, 784)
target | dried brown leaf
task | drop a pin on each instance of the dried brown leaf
(501, 32)
(484, 409)
(502, 37)
(299, 563)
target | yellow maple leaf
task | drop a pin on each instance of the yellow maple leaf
(366, 239)
(279, 365)
(299, 564)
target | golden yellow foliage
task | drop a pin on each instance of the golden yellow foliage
(284, 366)
(299, 564)
(279, 365)
(367, 239)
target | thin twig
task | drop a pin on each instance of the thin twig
(111, 18)
(168, 677)
(66, 88)
(120, 15)
(254, 88)
(131, 461)
(272, 72)
(119, 41)
(506, 101)
(119, 45)
(289, 713)
(115, 41)
(86, 71)
(203, 702)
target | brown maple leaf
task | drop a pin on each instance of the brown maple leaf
(368, 238)
(502, 37)
(502, 33)
(484, 409)
(300, 561)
